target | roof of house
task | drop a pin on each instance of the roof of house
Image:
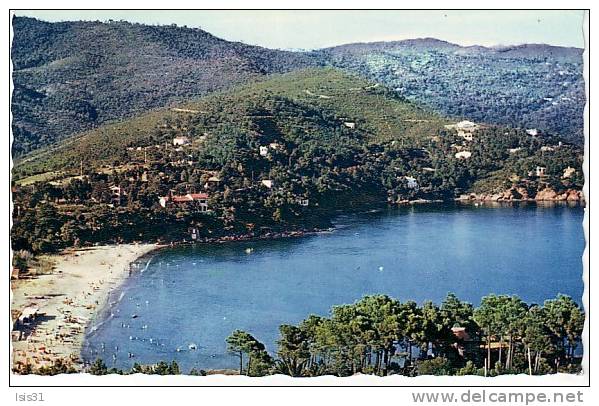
(495, 345)
(197, 196)
(190, 197)
(180, 199)
(460, 333)
(465, 124)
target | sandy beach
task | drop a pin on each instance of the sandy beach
(68, 299)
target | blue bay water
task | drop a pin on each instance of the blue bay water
(200, 294)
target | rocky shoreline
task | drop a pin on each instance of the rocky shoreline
(515, 194)
(511, 195)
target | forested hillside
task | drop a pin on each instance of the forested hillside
(307, 107)
(70, 77)
(529, 86)
(73, 76)
(282, 154)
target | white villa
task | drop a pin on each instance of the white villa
(466, 125)
(463, 154)
(540, 171)
(464, 128)
(268, 183)
(412, 183)
(180, 141)
(116, 193)
(569, 171)
(303, 201)
(201, 199)
(212, 181)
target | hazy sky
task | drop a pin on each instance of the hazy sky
(317, 29)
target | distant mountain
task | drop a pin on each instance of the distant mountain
(73, 76)
(539, 51)
(70, 77)
(530, 86)
(534, 51)
(414, 44)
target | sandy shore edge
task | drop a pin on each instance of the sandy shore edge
(69, 299)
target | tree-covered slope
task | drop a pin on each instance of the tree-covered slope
(287, 153)
(73, 76)
(319, 120)
(529, 86)
(308, 106)
(70, 77)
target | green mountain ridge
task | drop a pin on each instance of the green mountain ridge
(306, 102)
(73, 76)
(284, 154)
(70, 77)
(322, 112)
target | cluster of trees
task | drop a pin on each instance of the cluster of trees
(98, 367)
(59, 366)
(259, 362)
(380, 335)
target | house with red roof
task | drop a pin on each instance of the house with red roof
(198, 199)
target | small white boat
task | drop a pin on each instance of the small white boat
(192, 346)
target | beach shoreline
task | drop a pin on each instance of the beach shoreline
(67, 301)
(77, 294)
(71, 298)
